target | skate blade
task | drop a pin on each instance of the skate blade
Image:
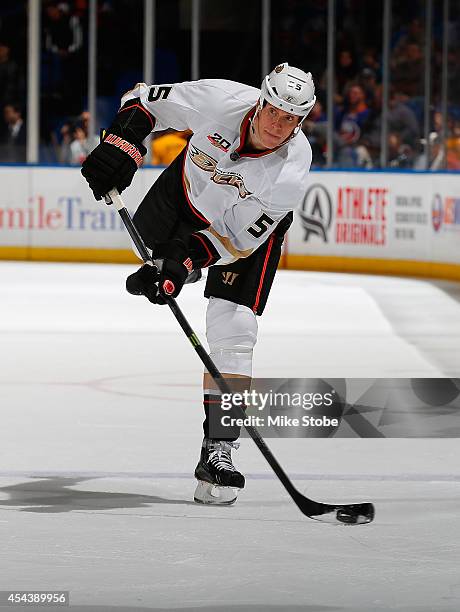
(208, 493)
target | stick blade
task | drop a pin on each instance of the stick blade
(347, 514)
(340, 514)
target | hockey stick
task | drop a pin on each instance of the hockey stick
(348, 514)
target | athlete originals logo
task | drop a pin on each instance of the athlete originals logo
(316, 212)
(228, 278)
(220, 177)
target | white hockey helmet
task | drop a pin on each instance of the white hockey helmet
(289, 89)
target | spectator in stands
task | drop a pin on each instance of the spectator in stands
(355, 108)
(369, 60)
(437, 121)
(368, 80)
(13, 137)
(400, 155)
(349, 152)
(348, 124)
(401, 120)
(436, 157)
(372, 128)
(9, 76)
(167, 147)
(82, 144)
(63, 61)
(315, 128)
(346, 69)
(64, 153)
(63, 33)
(414, 33)
(453, 146)
(408, 70)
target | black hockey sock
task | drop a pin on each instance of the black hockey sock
(213, 426)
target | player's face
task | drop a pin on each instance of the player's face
(273, 126)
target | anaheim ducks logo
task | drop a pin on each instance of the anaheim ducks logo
(220, 177)
(202, 160)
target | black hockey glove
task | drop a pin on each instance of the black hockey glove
(144, 282)
(175, 270)
(113, 163)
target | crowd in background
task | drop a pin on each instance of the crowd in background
(358, 94)
(299, 36)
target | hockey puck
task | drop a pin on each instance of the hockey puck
(347, 517)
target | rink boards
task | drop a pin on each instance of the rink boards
(374, 222)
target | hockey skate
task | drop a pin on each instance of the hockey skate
(218, 479)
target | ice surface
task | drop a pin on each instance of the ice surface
(101, 428)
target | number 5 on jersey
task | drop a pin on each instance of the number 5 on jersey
(260, 226)
(158, 92)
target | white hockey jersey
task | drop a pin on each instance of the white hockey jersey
(242, 195)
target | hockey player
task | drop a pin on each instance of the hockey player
(224, 203)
